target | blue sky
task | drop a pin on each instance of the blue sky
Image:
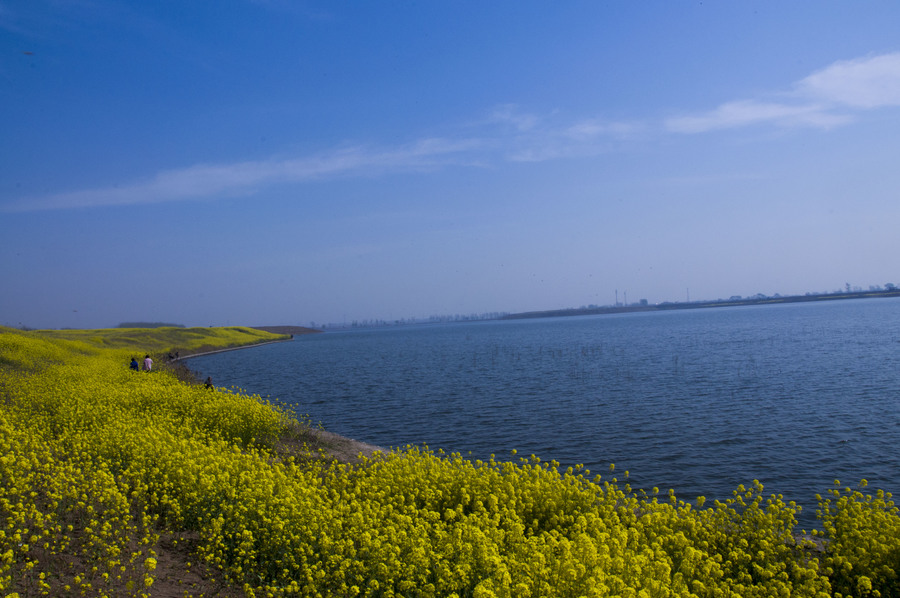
(275, 162)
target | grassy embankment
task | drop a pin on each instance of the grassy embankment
(118, 483)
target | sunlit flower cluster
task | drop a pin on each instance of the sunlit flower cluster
(863, 531)
(97, 461)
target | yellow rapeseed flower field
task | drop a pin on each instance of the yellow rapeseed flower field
(97, 462)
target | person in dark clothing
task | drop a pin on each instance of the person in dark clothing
(134, 364)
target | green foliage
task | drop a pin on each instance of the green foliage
(863, 551)
(159, 340)
(96, 461)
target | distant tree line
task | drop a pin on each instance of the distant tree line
(148, 325)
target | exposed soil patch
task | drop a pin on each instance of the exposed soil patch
(180, 573)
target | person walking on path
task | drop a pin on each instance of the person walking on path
(148, 363)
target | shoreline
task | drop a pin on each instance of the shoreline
(282, 330)
(237, 348)
(670, 305)
(342, 448)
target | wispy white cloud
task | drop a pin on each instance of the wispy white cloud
(751, 112)
(510, 114)
(827, 98)
(241, 178)
(521, 136)
(507, 135)
(596, 128)
(872, 82)
(584, 138)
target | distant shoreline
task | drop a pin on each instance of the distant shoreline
(292, 330)
(621, 308)
(668, 306)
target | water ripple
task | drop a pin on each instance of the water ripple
(697, 400)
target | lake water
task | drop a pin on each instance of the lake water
(794, 395)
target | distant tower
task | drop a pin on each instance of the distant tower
(617, 297)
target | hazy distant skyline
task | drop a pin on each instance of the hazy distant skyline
(269, 162)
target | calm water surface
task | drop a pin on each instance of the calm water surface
(699, 401)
